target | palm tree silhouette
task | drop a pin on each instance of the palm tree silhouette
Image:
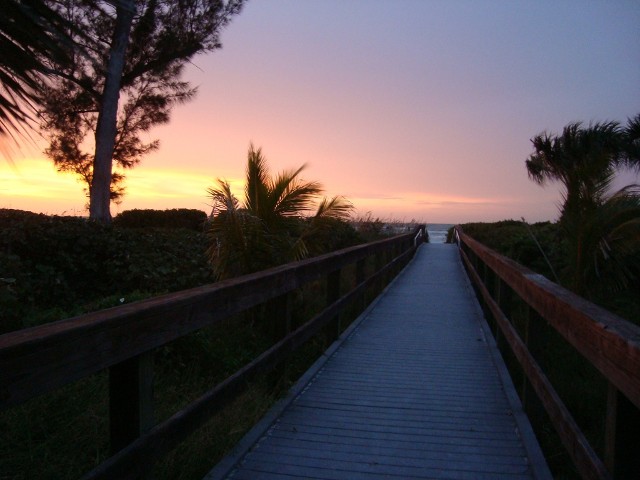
(599, 226)
(272, 226)
(31, 35)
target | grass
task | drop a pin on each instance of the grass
(57, 435)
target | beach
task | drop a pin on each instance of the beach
(438, 232)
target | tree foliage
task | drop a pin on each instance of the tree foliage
(162, 37)
(190, 219)
(601, 227)
(271, 226)
(57, 267)
(31, 36)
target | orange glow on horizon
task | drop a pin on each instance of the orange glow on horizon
(34, 184)
(432, 122)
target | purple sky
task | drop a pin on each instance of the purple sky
(411, 109)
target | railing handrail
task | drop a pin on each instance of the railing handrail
(39, 359)
(607, 341)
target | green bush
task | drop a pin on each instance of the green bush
(57, 267)
(340, 235)
(515, 240)
(190, 219)
(512, 239)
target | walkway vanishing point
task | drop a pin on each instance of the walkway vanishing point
(414, 389)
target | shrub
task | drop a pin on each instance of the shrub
(190, 219)
(341, 234)
(514, 240)
(56, 267)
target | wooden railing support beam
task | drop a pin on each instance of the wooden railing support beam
(587, 327)
(610, 343)
(622, 441)
(588, 464)
(333, 294)
(279, 313)
(130, 400)
(533, 339)
(122, 341)
(360, 277)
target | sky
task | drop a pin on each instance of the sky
(411, 109)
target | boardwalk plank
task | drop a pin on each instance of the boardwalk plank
(335, 470)
(431, 444)
(386, 454)
(364, 464)
(393, 419)
(444, 437)
(415, 415)
(413, 392)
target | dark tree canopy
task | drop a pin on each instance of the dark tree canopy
(157, 39)
(31, 36)
(601, 227)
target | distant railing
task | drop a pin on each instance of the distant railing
(122, 339)
(610, 343)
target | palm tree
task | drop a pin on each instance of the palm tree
(272, 225)
(632, 134)
(580, 158)
(31, 35)
(612, 241)
(585, 161)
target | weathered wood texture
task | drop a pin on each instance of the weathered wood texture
(413, 392)
(132, 461)
(607, 341)
(36, 360)
(586, 460)
(39, 359)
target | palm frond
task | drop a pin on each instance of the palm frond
(337, 208)
(294, 198)
(256, 189)
(32, 35)
(223, 199)
(300, 249)
(632, 148)
(328, 213)
(271, 227)
(236, 234)
(612, 239)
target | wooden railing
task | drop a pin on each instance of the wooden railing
(122, 339)
(608, 342)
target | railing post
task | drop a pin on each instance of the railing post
(379, 262)
(130, 400)
(533, 339)
(499, 295)
(333, 294)
(486, 275)
(388, 256)
(622, 443)
(396, 251)
(360, 277)
(279, 314)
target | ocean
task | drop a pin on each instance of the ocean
(438, 232)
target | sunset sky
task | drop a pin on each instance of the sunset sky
(412, 109)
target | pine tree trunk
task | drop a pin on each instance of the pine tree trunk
(100, 191)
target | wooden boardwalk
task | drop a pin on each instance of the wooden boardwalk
(415, 389)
